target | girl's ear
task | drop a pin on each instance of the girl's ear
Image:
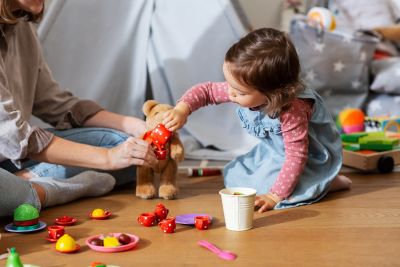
(148, 105)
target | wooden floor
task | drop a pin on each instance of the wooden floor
(359, 227)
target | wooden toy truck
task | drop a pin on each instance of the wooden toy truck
(367, 160)
(371, 151)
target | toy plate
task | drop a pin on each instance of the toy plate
(77, 247)
(17, 229)
(62, 221)
(188, 219)
(108, 214)
(132, 244)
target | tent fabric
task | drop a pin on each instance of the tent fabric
(104, 50)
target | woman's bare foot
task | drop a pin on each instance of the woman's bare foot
(340, 182)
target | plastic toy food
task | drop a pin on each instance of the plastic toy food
(66, 244)
(13, 259)
(98, 213)
(26, 215)
(110, 241)
(124, 239)
(97, 242)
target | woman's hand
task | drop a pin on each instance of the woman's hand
(266, 202)
(175, 118)
(133, 151)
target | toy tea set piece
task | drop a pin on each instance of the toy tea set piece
(99, 214)
(168, 225)
(65, 220)
(158, 137)
(54, 232)
(26, 219)
(189, 219)
(152, 218)
(112, 242)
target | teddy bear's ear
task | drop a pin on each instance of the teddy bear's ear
(148, 105)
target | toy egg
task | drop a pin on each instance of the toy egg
(26, 215)
(96, 213)
(321, 17)
(66, 243)
(351, 120)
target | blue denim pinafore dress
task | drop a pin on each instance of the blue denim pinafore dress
(259, 168)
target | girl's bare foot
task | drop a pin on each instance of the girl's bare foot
(340, 182)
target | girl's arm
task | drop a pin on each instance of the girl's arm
(196, 97)
(294, 126)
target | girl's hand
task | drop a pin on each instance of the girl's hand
(133, 151)
(175, 118)
(266, 202)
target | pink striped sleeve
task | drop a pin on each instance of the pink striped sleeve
(294, 126)
(204, 94)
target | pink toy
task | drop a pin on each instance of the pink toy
(130, 245)
(223, 254)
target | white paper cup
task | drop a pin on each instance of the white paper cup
(238, 209)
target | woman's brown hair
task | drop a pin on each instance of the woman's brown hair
(8, 16)
(266, 60)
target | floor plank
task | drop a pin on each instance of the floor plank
(358, 227)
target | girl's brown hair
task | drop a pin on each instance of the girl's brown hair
(266, 60)
(8, 16)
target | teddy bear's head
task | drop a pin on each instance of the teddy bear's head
(154, 112)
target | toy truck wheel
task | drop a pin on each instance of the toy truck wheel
(385, 164)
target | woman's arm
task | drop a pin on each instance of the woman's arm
(133, 151)
(107, 119)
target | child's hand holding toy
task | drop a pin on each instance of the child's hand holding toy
(175, 118)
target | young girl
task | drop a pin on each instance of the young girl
(45, 167)
(299, 155)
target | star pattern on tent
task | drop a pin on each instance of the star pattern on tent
(310, 75)
(338, 66)
(319, 47)
(355, 84)
(375, 105)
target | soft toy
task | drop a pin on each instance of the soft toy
(167, 168)
(321, 17)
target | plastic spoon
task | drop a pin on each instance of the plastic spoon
(223, 254)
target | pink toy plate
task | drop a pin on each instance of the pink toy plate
(77, 247)
(132, 244)
(108, 214)
(65, 220)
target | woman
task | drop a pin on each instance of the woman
(33, 161)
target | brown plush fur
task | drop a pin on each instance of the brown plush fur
(167, 169)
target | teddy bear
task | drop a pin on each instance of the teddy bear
(167, 168)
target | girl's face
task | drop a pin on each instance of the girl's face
(243, 95)
(32, 6)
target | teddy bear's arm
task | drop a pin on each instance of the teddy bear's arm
(176, 147)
